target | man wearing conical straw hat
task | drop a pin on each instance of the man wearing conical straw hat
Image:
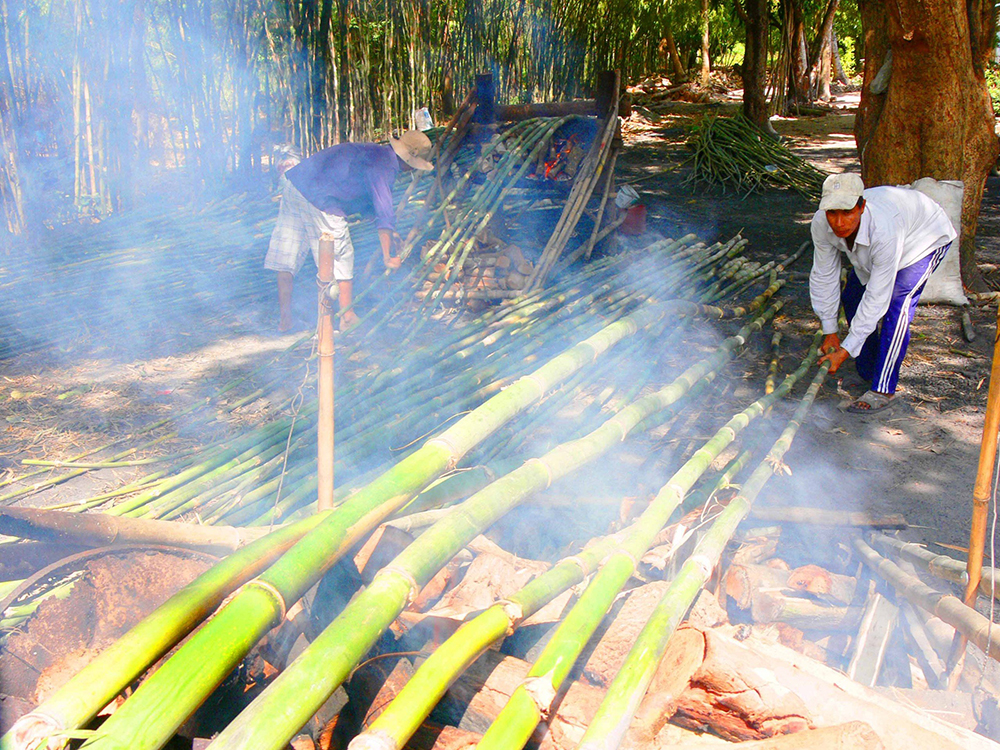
(894, 238)
(316, 196)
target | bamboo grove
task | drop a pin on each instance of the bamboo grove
(97, 97)
(102, 101)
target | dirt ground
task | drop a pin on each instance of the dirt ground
(918, 458)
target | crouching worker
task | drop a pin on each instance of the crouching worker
(894, 238)
(316, 196)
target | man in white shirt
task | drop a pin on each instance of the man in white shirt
(894, 238)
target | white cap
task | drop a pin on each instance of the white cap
(841, 192)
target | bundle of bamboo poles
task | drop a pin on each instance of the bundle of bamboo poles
(569, 311)
(733, 152)
(266, 476)
(229, 480)
(244, 613)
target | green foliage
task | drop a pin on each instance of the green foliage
(847, 58)
(847, 27)
(993, 84)
(732, 56)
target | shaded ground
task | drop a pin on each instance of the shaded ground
(918, 458)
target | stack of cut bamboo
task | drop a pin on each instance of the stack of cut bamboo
(859, 605)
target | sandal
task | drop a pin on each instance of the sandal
(870, 403)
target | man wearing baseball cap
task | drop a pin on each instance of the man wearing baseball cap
(894, 238)
(317, 195)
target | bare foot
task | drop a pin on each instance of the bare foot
(348, 321)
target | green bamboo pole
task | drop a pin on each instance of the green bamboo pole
(274, 717)
(772, 370)
(610, 723)
(93, 687)
(148, 720)
(404, 715)
(428, 685)
(528, 706)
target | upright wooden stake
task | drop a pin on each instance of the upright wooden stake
(324, 432)
(984, 476)
(980, 503)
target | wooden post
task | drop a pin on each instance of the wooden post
(324, 431)
(980, 504)
(984, 475)
(485, 99)
(606, 92)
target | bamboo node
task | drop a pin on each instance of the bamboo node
(33, 730)
(548, 470)
(270, 589)
(703, 563)
(542, 693)
(445, 443)
(514, 613)
(578, 562)
(532, 378)
(407, 576)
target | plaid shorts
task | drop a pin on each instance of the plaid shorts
(298, 230)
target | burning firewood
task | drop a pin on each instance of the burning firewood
(764, 593)
(823, 584)
(738, 703)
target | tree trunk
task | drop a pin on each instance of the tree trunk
(820, 46)
(935, 119)
(798, 84)
(838, 67)
(755, 17)
(675, 58)
(825, 68)
(706, 63)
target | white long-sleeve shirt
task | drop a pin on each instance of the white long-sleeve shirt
(898, 227)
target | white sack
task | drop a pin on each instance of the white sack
(945, 284)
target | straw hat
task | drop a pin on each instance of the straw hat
(413, 147)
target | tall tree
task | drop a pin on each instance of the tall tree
(755, 15)
(706, 63)
(935, 118)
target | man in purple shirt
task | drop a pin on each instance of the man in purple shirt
(316, 196)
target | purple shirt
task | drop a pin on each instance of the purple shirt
(350, 178)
